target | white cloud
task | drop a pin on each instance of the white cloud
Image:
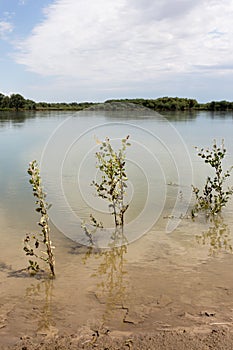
(5, 27)
(111, 43)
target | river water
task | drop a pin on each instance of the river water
(165, 271)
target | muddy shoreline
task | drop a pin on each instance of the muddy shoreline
(218, 338)
(178, 309)
(166, 292)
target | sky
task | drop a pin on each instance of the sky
(94, 50)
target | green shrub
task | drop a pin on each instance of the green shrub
(214, 195)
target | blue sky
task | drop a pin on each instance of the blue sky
(93, 50)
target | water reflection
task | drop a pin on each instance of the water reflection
(217, 237)
(110, 272)
(220, 114)
(181, 116)
(15, 119)
(41, 293)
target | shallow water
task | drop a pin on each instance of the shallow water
(169, 268)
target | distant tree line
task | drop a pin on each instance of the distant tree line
(179, 104)
(18, 102)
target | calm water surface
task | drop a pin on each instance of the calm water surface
(167, 255)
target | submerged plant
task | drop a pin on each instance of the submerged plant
(113, 178)
(33, 241)
(111, 187)
(214, 196)
(113, 183)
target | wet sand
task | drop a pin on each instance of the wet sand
(217, 339)
(177, 310)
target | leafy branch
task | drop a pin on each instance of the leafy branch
(214, 196)
(32, 242)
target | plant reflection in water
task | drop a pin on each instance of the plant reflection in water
(217, 236)
(110, 271)
(41, 294)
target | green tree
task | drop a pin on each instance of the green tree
(6, 102)
(30, 104)
(1, 99)
(17, 101)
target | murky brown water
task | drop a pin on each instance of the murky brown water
(157, 282)
(160, 281)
